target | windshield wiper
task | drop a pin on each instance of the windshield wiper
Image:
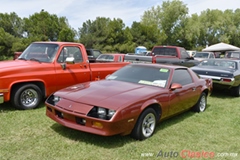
(34, 59)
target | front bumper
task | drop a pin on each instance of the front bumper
(1, 98)
(84, 123)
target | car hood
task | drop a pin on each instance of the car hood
(108, 93)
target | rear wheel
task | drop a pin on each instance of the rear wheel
(236, 91)
(145, 125)
(26, 96)
(201, 104)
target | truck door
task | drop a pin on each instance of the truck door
(77, 72)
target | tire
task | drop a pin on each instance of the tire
(236, 91)
(26, 96)
(201, 104)
(145, 125)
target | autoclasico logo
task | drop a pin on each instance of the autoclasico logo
(186, 154)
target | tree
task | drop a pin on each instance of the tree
(168, 18)
(12, 24)
(6, 42)
(94, 33)
(103, 33)
(46, 26)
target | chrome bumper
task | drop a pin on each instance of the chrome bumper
(219, 80)
(1, 98)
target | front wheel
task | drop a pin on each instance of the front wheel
(26, 97)
(145, 125)
(201, 104)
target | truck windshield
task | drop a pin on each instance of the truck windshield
(41, 52)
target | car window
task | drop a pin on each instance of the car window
(120, 59)
(105, 57)
(211, 56)
(182, 76)
(184, 53)
(96, 53)
(70, 52)
(219, 64)
(165, 51)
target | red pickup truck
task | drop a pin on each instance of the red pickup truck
(165, 54)
(45, 67)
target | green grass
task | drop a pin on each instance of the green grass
(31, 135)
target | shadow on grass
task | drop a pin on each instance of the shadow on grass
(7, 107)
(117, 140)
(176, 119)
(223, 94)
(102, 141)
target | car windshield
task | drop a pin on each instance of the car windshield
(201, 55)
(219, 64)
(146, 75)
(42, 52)
(105, 57)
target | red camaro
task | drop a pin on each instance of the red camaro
(130, 101)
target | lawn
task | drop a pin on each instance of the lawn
(31, 135)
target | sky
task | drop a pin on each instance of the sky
(79, 11)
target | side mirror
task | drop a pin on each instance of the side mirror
(175, 86)
(63, 65)
(69, 60)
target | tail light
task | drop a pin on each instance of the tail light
(226, 80)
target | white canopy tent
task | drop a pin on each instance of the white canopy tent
(221, 47)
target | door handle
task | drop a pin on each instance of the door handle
(194, 89)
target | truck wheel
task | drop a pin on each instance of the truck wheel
(145, 125)
(236, 91)
(26, 97)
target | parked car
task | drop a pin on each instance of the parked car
(93, 54)
(225, 73)
(164, 55)
(129, 101)
(111, 57)
(232, 54)
(200, 56)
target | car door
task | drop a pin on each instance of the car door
(77, 72)
(185, 97)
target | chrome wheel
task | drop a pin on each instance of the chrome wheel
(29, 98)
(202, 103)
(145, 126)
(148, 125)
